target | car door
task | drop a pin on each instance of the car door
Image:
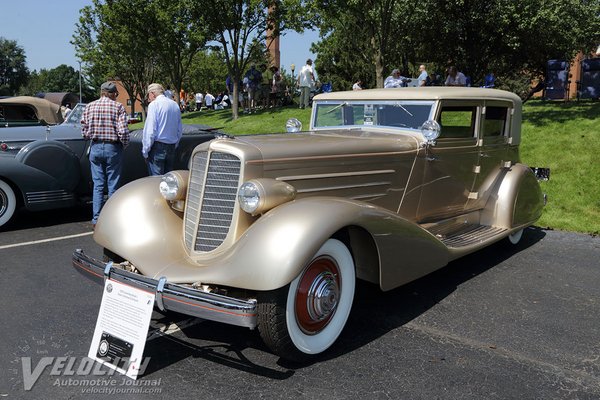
(449, 164)
(493, 150)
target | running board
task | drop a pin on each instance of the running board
(464, 234)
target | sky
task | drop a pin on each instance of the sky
(44, 29)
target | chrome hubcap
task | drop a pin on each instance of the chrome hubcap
(317, 295)
(323, 296)
(3, 202)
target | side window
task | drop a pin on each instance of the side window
(494, 123)
(457, 122)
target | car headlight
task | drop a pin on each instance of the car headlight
(249, 196)
(293, 125)
(258, 196)
(173, 185)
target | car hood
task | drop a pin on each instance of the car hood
(346, 143)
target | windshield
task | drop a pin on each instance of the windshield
(396, 114)
(74, 116)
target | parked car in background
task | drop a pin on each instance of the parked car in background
(135, 118)
(46, 167)
(27, 111)
(272, 231)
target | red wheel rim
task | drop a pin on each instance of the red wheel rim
(317, 295)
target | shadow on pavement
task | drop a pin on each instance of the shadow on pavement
(374, 314)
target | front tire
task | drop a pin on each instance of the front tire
(306, 317)
(8, 202)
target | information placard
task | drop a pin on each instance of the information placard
(122, 327)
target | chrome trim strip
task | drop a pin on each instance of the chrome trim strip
(343, 187)
(174, 297)
(335, 175)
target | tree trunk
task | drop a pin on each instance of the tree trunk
(378, 63)
(234, 100)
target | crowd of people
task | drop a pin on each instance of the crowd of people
(256, 91)
(453, 78)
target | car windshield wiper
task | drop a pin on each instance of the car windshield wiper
(337, 107)
(402, 107)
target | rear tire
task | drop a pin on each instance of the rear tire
(306, 317)
(8, 203)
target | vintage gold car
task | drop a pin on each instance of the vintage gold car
(272, 231)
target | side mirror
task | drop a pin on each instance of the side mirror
(431, 131)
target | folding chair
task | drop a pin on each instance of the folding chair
(589, 85)
(557, 80)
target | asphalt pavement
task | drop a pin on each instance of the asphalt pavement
(508, 322)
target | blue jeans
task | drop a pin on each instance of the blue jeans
(161, 158)
(106, 161)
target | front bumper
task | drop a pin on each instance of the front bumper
(173, 297)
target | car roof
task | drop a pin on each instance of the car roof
(422, 93)
(44, 109)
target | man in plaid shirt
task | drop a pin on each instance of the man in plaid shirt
(104, 122)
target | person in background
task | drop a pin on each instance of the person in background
(423, 79)
(209, 99)
(199, 100)
(104, 122)
(455, 77)
(162, 131)
(395, 80)
(65, 110)
(306, 80)
(357, 85)
(254, 80)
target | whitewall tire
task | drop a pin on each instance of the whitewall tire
(8, 202)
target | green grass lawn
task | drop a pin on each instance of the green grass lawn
(566, 138)
(562, 136)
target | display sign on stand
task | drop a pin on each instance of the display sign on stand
(122, 327)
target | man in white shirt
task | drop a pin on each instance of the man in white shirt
(199, 99)
(162, 131)
(306, 80)
(208, 100)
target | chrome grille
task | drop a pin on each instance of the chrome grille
(211, 200)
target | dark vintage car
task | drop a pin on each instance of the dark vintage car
(27, 111)
(46, 167)
(272, 231)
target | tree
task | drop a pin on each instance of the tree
(111, 39)
(13, 71)
(178, 36)
(207, 73)
(507, 37)
(240, 27)
(381, 32)
(63, 78)
(136, 41)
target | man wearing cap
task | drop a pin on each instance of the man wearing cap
(306, 80)
(162, 131)
(104, 123)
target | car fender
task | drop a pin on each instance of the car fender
(53, 158)
(27, 179)
(140, 226)
(517, 202)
